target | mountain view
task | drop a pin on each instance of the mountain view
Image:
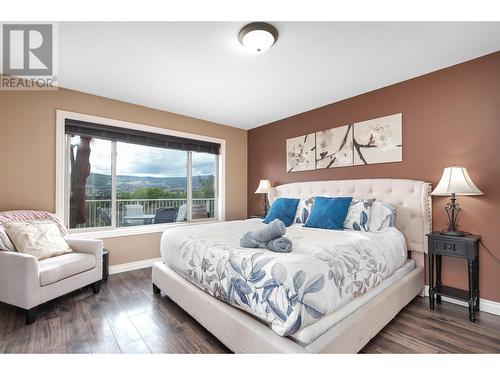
(99, 185)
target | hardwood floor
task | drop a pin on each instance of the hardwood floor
(447, 329)
(126, 317)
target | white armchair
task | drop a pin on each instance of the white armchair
(27, 282)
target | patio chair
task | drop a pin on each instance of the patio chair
(134, 210)
(182, 213)
(166, 215)
(198, 211)
(103, 214)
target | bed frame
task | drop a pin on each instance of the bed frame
(243, 333)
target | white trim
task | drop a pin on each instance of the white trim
(221, 183)
(189, 176)
(113, 185)
(132, 266)
(485, 305)
(217, 193)
(60, 195)
(132, 231)
(132, 125)
(66, 172)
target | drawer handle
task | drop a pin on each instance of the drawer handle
(449, 246)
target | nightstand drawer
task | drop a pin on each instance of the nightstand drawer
(451, 248)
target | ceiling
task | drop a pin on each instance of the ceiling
(199, 69)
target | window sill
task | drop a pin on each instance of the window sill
(132, 231)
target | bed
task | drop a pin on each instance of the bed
(332, 294)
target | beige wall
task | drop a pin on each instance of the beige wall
(28, 153)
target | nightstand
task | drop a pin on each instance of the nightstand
(465, 247)
(105, 264)
(256, 217)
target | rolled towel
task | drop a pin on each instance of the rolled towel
(247, 241)
(280, 245)
(274, 229)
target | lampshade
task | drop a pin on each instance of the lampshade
(456, 180)
(264, 187)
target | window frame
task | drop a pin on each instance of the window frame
(62, 176)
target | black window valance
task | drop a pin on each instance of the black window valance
(113, 133)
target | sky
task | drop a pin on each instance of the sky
(137, 160)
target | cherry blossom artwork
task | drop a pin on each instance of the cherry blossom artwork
(334, 147)
(373, 141)
(378, 141)
(300, 152)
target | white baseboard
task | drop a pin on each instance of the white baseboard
(124, 267)
(485, 305)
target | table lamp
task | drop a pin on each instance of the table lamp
(454, 181)
(264, 187)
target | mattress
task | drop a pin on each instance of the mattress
(325, 271)
(312, 332)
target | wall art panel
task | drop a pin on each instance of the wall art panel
(300, 153)
(379, 140)
(334, 147)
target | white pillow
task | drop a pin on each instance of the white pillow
(303, 210)
(382, 216)
(42, 239)
(5, 243)
(358, 215)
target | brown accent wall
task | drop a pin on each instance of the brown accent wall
(450, 117)
(28, 154)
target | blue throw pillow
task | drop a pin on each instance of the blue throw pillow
(328, 212)
(283, 209)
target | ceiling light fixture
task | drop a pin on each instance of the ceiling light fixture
(258, 36)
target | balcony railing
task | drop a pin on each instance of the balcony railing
(146, 206)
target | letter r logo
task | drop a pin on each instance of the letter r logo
(27, 49)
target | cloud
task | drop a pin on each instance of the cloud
(137, 160)
(100, 155)
(203, 164)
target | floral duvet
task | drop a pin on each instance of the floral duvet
(325, 270)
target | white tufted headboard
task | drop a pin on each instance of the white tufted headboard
(412, 200)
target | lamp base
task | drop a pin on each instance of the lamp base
(452, 233)
(452, 210)
(265, 204)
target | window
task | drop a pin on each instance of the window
(126, 178)
(203, 185)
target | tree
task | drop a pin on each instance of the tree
(207, 187)
(151, 193)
